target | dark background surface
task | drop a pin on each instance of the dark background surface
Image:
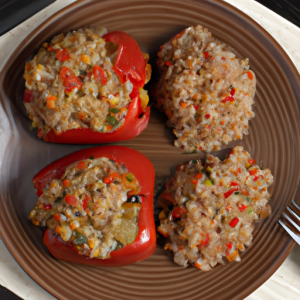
(14, 12)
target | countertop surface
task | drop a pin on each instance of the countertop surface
(285, 283)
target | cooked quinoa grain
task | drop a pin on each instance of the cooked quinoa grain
(71, 83)
(205, 89)
(90, 207)
(214, 209)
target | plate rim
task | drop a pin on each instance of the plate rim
(44, 24)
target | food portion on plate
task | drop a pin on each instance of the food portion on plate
(86, 86)
(206, 89)
(209, 210)
(94, 209)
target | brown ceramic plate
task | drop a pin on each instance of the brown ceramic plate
(273, 141)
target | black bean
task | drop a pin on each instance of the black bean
(77, 214)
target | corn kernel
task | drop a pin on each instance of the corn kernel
(96, 253)
(85, 58)
(91, 244)
(114, 101)
(207, 182)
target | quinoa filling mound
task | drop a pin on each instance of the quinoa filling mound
(94, 207)
(205, 89)
(71, 84)
(214, 207)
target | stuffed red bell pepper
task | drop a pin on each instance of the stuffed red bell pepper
(87, 87)
(97, 206)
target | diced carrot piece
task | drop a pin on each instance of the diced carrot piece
(231, 257)
(81, 165)
(250, 75)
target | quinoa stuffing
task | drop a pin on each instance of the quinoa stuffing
(71, 83)
(206, 89)
(94, 207)
(214, 207)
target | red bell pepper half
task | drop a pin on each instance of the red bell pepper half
(129, 64)
(145, 242)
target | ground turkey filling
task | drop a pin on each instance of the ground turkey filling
(213, 209)
(205, 89)
(92, 207)
(71, 84)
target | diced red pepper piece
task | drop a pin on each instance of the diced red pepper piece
(199, 175)
(47, 206)
(27, 96)
(168, 63)
(244, 192)
(232, 92)
(56, 217)
(250, 75)
(234, 222)
(251, 161)
(99, 74)
(72, 83)
(50, 48)
(230, 192)
(228, 207)
(205, 241)
(70, 80)
(232, 183)
(66, 182)
(229, 98)
(109, 179)
(255, 178)
(63, 55)
(207, 116)
(178, 212)
(71, 200)
(229, 245)
(253, 172)
(206, 54)
(81, 165)
(85, 201)
(242, 207)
